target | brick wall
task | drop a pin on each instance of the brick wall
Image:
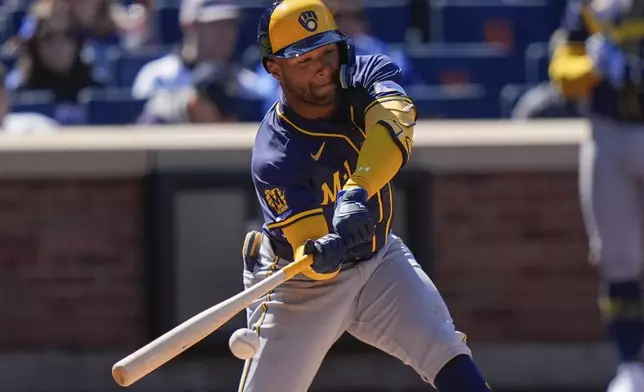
(511, 258)
(510, 261)
(70, 264)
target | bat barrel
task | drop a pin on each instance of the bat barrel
(119, 373)
(153, 355)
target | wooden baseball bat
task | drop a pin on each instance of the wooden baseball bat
(153, 355)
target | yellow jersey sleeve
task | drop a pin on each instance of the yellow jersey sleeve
(390, 130)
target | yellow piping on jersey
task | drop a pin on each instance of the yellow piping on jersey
(353, 120)
(386, 99)
(294, 218)
(373, 248)
(283, 117)
(391, 211)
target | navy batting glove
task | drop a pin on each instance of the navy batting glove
(352, 219)
(329, 252)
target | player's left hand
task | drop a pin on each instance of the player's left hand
(609, 60)
(352, 219)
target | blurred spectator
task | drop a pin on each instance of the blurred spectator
(210, 30)
(103, 24)
(351, 18)
(97, 19)
(212, 98)
(109, 22)
(21, 123)
(544, 100)
(50, 59)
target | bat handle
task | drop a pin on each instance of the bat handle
(301, 263)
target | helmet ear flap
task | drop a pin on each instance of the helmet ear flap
(265, 49)
(263, 38)
(347, 62)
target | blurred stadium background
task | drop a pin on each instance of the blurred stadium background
(125, 194)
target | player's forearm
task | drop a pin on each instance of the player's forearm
(390, 131)
(572, 70)
(379, 160)
(309, 228)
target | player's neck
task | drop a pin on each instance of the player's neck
(308, 111)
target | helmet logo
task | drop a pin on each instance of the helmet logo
(309, 20)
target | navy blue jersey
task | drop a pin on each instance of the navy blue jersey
(624, 25)
(300, 165)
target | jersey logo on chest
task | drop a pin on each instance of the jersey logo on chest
(340, 177)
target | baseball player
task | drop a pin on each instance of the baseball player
(322, 166)
(600, 62)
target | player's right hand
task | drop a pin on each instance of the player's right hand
(329, 252)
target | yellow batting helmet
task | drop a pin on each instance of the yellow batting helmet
(290, 28)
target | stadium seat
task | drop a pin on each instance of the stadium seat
(515, 24)
(248, 28)
(33, 101)
(465, 101)
(486, 64)
(125, 66)
(10, 20)
(510, 95)
(16, 15)
(536, 62)
(6, 26)
(167, 27)
(388, 19)
(110, 106)
(8, 61)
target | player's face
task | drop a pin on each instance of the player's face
(312, 77)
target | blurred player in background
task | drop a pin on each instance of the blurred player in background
(600, 61)
(51, 59)
(546, 100)
(322, 166)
